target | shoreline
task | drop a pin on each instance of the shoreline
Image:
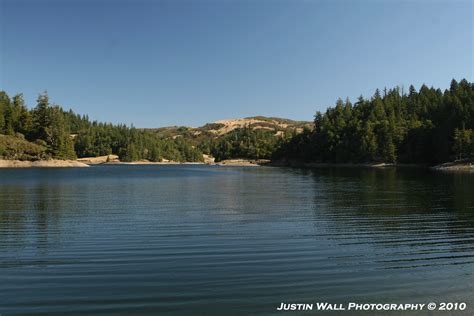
(115, 163)
(455, 166)
(111, 160)
(52, 163)
(114, 160)
(299, 164)
(223, 163)
(243, 162)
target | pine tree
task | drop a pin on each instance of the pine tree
(59, 140)
(41, 118)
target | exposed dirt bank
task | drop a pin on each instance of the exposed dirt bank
(42, 164)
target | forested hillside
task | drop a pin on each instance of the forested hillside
(251, 137)
(425, 126)
(47, 131)
(66, 135)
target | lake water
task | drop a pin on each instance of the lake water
(208, 240)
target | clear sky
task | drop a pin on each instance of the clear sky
(156, 63)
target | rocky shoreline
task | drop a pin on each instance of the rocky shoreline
(243, 162)
(460, 165)
(114, 160)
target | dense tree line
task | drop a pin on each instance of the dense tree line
(424, 126)
(67, 135)
(245, 143)
(130, 144)
(45, 124)
(417, 126)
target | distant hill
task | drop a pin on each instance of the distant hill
(197, 135)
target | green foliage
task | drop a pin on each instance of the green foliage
(208, 137)
(65, 135)
(49, 125)
(41, 118)
(244, 143)
(418, 127)
(424, 126)
(464, 143)
(130, 144)
(59, 139)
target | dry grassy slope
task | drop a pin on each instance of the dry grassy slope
(222, 127)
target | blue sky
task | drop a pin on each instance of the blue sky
(156, 63)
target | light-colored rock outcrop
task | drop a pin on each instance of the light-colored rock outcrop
(208, 159)
(99, 160)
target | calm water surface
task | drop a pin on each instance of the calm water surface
(199, 240)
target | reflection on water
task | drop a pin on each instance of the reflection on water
(211, 240)
(415, 223)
